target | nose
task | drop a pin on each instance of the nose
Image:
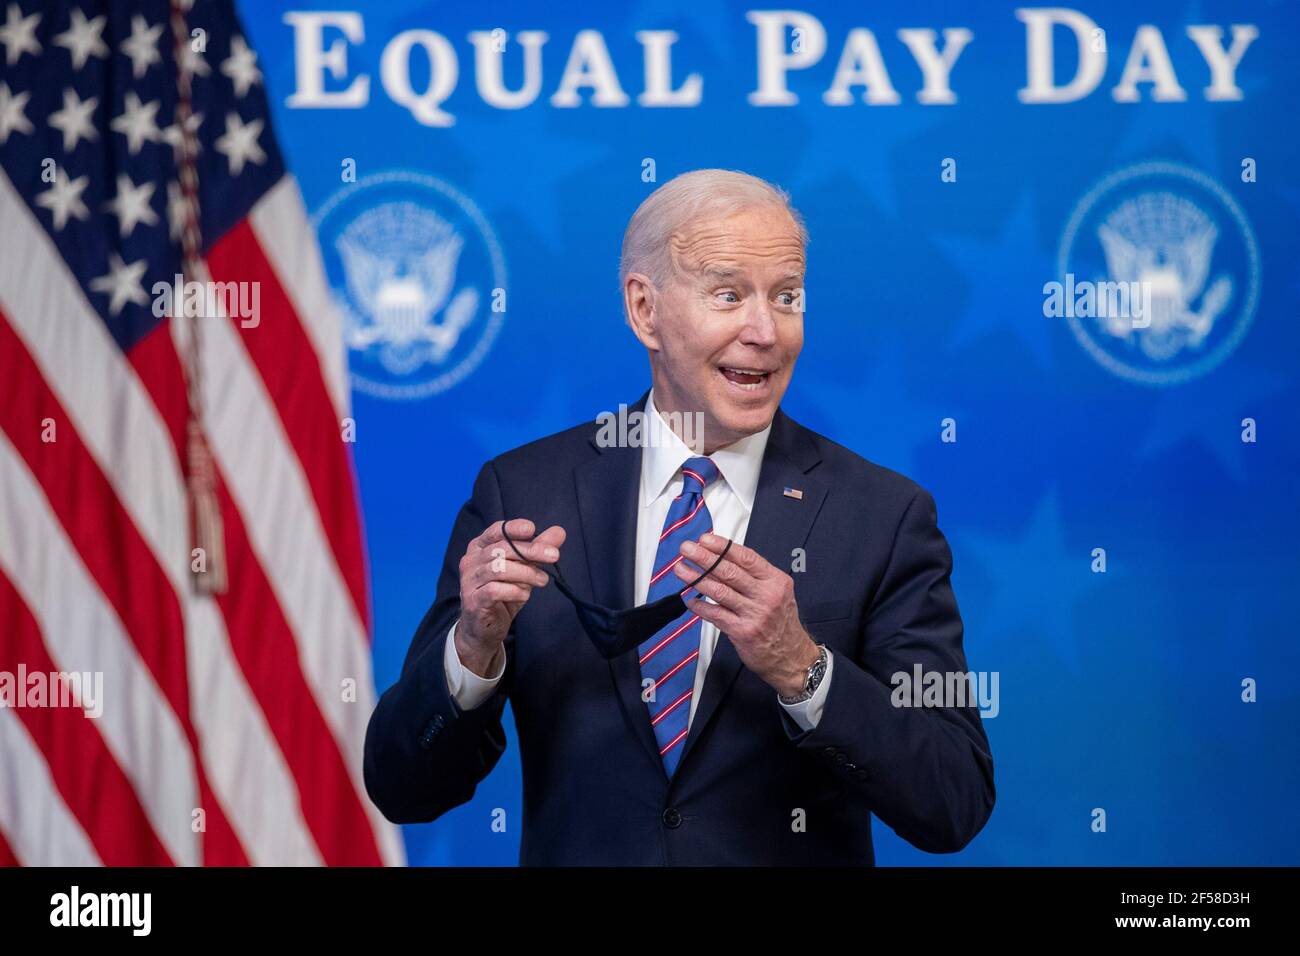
(760, 326)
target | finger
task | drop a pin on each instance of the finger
(727, 571)
(521, 529)
(725, 595)
(497, 566)
(503, 593)
(747, 558)
(544, 549)
(554, 536)
(720, 617)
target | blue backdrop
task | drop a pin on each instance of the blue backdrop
(1120, 689)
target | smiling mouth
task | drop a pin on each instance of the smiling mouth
(747, 378)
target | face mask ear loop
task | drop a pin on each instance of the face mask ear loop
(556, 572)
(709, 571)
(545, 570)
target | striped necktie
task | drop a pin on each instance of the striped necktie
(668, 659)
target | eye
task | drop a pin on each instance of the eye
(727, 295)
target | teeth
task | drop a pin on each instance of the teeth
(748, 386)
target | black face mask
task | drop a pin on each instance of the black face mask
(616, 632)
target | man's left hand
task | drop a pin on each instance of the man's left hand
(755, 608)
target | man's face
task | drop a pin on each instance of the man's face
(725, 334)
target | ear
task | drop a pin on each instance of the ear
(639, 296)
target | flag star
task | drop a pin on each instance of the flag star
(12, 117)
(142, 45)
(192, 60)
(63, 198)
(18, 35)
(131, 204)
(239, 143)
(83, 38)
(74, 119)
(241, 66)
(122, 283)
(136, 122)
(172, 134)
(178, 209)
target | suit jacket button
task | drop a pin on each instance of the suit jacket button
(829, 753)
(438, 721)
(426, 740)
(861, 774)
(841, 758)
(672, 819)
(850, 767)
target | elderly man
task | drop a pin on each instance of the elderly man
(743, 717)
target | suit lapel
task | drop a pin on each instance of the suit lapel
(777, 526)
(609, 499)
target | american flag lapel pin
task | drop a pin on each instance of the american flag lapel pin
(794, 493)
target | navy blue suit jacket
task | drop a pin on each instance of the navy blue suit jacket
(875, 590)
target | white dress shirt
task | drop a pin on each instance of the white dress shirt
(730, 500)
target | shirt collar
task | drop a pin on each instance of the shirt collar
(738, 463)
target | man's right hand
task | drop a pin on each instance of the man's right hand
(495, 584)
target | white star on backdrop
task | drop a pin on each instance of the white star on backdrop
(239, 143)
(83, 38)
(121, 283)
(131, 204)
(18, 35)
(142, 45)
(136, 122)
(12, 117)
(241, 66)
(74, 119)
(63, 198)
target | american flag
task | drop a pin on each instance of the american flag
(177, 506)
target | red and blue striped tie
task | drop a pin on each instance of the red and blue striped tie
(668, 659)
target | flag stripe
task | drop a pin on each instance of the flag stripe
(7, 857)
(287, 238)
(290, 370)
(114, 554)
(34, 820)
(101, 391)
(266, 650)
(264, 792)
(89, 781)
(270, 659)
(83, 634)
(267, 485)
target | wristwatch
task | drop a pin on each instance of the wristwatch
(811, 682)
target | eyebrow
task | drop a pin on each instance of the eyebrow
(724, 273)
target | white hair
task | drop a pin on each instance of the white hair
(684, 200)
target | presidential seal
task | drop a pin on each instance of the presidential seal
(419, 276)
(1177, 236)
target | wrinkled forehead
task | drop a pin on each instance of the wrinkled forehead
(763, 238)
